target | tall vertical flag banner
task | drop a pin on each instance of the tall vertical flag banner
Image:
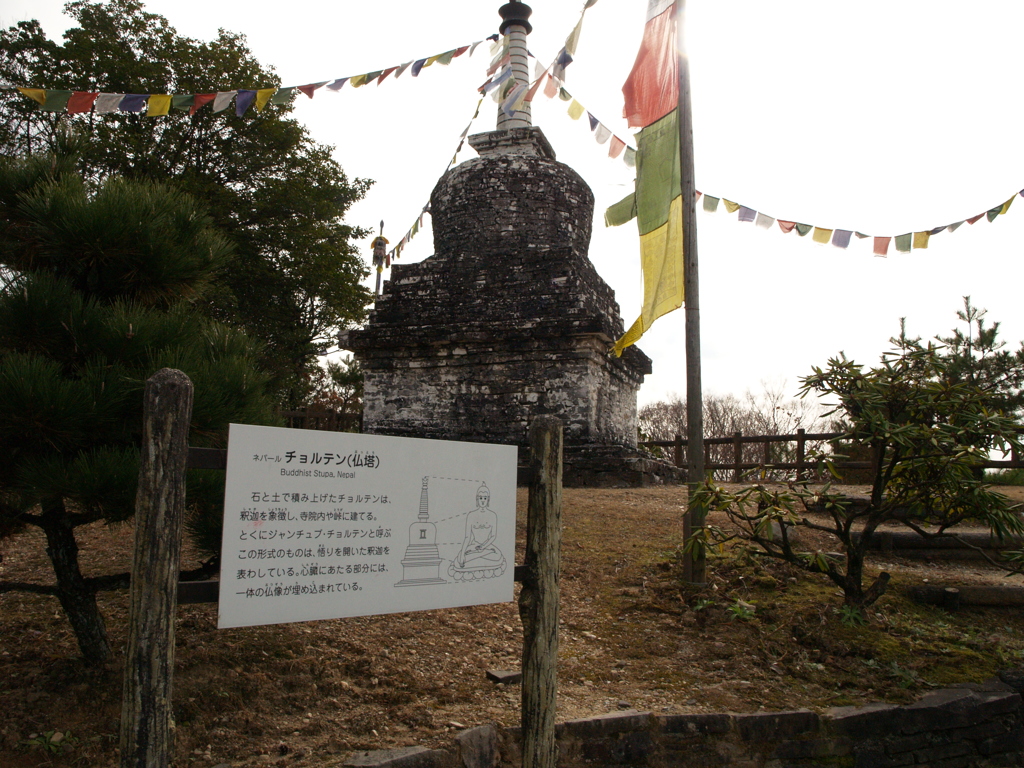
(652, 103)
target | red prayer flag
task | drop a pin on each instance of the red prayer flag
(652, 88)
(385, 73)
(975, 218)
(785, 226)
(615, 147)
(308, 89)
(81, 101)
(201, 100)
(533, 89)
(460, 51)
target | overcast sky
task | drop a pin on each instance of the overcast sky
(881, 117)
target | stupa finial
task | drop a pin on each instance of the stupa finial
(515, 24)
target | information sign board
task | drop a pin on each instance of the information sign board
(322, 525)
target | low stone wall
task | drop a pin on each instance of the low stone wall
(962, 727)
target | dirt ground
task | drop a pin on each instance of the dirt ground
(633, 635)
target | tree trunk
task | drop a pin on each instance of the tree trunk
(76, 596)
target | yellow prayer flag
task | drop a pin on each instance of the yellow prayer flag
(263, 96)
(661, 256)
(576, 110)
(730, 206)
(1006, 205)
(921, 239)
(36, 94)
(159, 104)
(431, 60)
(357, 81)
(822, 236)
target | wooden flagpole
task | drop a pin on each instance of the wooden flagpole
(695, 568)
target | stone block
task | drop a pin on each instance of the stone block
(633, 749)
(693, 725)
(941, 752)
(604, 725)
(1012, 742)
(504, 676)
(873, 721)
(762, 727)
(405, 757)
(812, 748)
(875, 757)
(478, 747)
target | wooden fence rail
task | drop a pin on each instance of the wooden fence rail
(767, 462)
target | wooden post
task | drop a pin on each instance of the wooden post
(801, 453)
(538, 599)
(737, 456)
(679, 451)
(147, 727)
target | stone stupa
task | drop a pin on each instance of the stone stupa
(508, 319)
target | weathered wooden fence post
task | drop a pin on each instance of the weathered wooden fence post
(147, 728)
(801, 454)
(538, 599)
(737, 456)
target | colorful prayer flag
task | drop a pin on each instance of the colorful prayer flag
(711, 203)
(159, 105)
(223, 99)
(263, 95)
(764, 222)
(903, 242)
(81, 101)
(55, 101)
(37, 95)
(201, 100)
(921, 239)
(882, 246)
(821, 236)
(243, 101)
(841, 238)
(133, 102)
(652, 88)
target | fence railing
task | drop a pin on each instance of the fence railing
(770, 458)
(326, 419)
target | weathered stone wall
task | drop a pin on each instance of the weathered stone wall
(966, 727)
(508, 320)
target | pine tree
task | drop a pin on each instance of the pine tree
(99, 290)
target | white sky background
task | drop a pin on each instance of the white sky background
(884, 117)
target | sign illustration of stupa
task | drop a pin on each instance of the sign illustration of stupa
(422, 562)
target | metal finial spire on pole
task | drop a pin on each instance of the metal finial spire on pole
(379, 253)
(515, 24)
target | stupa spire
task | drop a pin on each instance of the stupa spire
(515, 24)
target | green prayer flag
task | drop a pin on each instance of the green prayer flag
(283, 96)
(621, 212)
(658, 155)
(803, 229)
(446, 57)
(711, 203)
(903, 242)
(991, 214)
(56, 101)
(564, 95)
(183, 102)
